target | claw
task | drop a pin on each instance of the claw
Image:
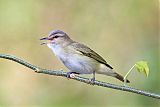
(37, 70)
(68, 74)
(91, 81)
(71, 74)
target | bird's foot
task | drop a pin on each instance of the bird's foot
(71, 74)
(91, 81)
(37, 70)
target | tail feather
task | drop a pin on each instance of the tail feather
(121, 78)
(110, 72)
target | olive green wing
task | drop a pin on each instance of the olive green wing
(90, 53)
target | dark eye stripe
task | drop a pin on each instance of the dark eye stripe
(53, 37)
(56, 36)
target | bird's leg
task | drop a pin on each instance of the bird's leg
(92, 80)
(71, 74)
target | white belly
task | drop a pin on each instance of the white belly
(79, 64)
(75, 62)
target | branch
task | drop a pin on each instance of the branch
(81, 79)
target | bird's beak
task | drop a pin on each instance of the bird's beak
(45, 38)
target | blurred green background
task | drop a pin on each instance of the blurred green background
(122, 31)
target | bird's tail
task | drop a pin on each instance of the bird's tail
(109, 72)
(120, 78)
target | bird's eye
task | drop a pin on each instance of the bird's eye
(56, 36)
(53, 37)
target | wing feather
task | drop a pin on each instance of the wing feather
(89, 52)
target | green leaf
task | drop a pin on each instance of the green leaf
(142, 66)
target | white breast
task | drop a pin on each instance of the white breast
(74, 61)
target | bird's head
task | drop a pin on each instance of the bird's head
(56, 37)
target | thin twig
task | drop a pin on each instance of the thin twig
(81, 79)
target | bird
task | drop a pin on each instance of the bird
(77, 57)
